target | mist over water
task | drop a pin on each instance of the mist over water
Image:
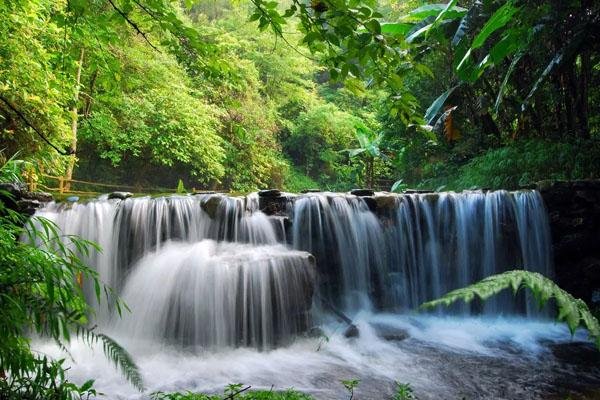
(221, 293)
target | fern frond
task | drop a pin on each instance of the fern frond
(115, 353)
(123, 360)
(574, 312)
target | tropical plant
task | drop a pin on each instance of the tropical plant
(41, 277)
(574, 312)
(350, 385)
(369, 149)
(403, 392)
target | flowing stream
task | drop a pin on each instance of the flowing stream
(221, 292)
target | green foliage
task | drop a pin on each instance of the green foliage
(180, 188)
(574, 312)
(403, 392)
(527, 162)
(316, 142)
(295, 181)
(350, 385)
(234, 392)
(40, 293)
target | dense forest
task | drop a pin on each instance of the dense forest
(239, 96)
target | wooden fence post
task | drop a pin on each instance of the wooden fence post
(61, 185)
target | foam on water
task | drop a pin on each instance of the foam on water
(316, 365)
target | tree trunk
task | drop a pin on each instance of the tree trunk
(74, 120)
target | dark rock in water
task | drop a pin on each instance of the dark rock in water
(211, 205)
(371, 203)
(311, 191)
(390, 333)
(386, 203)
(120, 195)
(204, 192)
(27, 206)
(42, 197)
(15, 189)
(269, 193)
(351, 331)
(362, 192)
(273, 205)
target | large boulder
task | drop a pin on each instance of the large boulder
(210, 205)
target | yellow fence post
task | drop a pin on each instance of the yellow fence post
(61, 183)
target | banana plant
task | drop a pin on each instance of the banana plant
(500, 35)
(369, 150)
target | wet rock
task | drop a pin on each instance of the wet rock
(311, 191)
(204, 192)
(417, 191)
(72, 199)
(351, 331)
(362, 192)
(42, 197)
(27, 206)
(273, 205)
(120, 195)
(269, 193)
(371, 203)
(386, 203)
(211, 205)
(390, 333)
(15, 189)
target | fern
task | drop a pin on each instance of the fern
(115, 353)
(574, 312)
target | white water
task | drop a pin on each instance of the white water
(221, 292)
(436, 346)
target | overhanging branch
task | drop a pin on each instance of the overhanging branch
(133, 25)
(36, 130)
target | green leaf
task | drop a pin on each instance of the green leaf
(419, 32)
(373, 26)
(499, 19)
(467, 22)
(509, 72)
(437, 105)
(395, 28)
(442, 15)
(432, 10)
(398, 186)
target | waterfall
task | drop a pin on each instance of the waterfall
(216, 271)
(218, 294)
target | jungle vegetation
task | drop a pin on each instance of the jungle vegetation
(330, 94)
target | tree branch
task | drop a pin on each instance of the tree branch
(29, 124)
(133, 25)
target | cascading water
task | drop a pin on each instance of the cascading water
(215, 273)
(219, 294)
(413, 248)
